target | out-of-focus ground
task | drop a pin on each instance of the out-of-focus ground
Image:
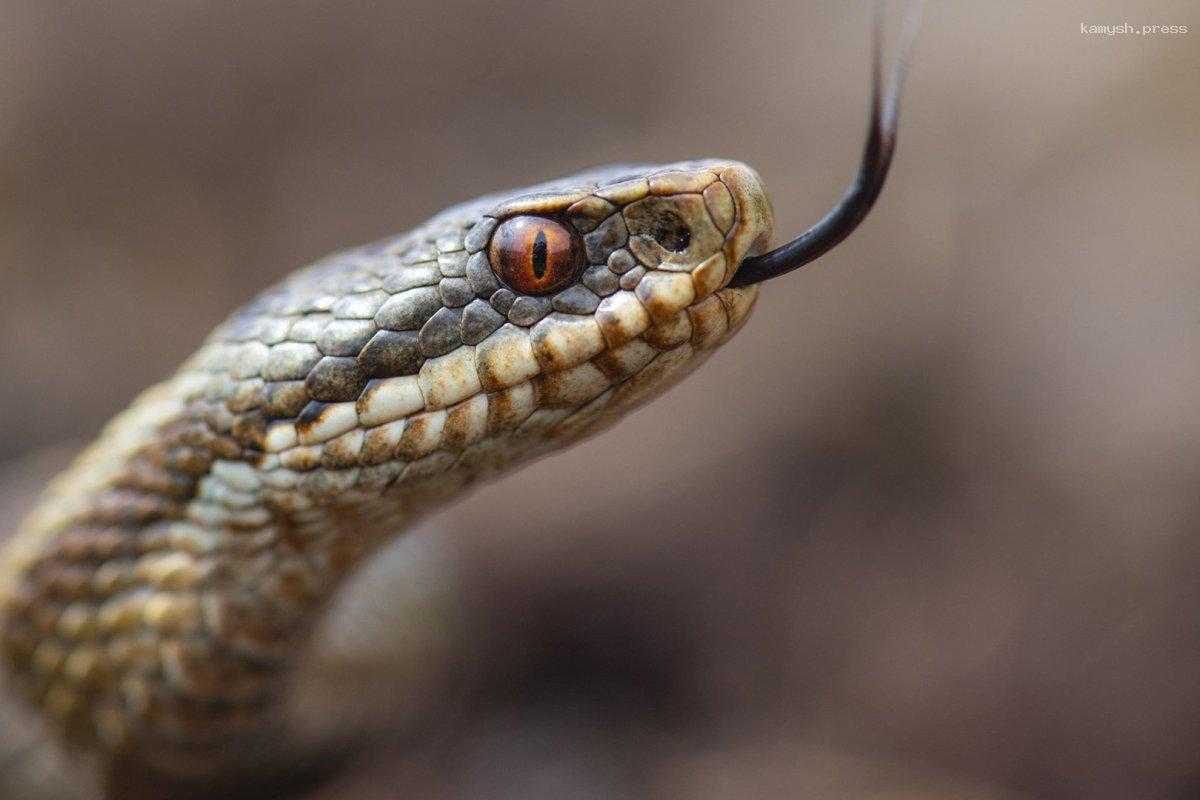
(929, 527)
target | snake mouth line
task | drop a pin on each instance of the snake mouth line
(856, 203)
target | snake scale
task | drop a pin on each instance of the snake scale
(157, 599)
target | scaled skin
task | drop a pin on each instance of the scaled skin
(159, 596)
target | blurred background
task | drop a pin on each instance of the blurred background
(927, 528)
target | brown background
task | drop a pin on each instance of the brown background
(926, 528)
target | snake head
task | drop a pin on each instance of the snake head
(603, 288)
(633, 246)
(659, 229)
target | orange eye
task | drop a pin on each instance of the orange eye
(535, 255)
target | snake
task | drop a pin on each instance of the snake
(158, 597)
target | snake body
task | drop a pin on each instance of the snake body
(158, 597)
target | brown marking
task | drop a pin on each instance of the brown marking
(504, 412)
(250, 430)
(418, 433)
(664, 334)
(590, 212)
(380, 443)
(341, 452)
(248, 396)
(464, 424)
(285, 399)
(709, 322)
(310, 417)
(190, 461)
(146, 477)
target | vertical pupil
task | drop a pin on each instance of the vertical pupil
(539, 254)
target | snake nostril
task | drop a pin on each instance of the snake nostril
(673, 235)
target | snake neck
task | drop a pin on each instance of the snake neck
(164, 590)
(161, 590)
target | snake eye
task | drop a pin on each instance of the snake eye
(535, 255)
